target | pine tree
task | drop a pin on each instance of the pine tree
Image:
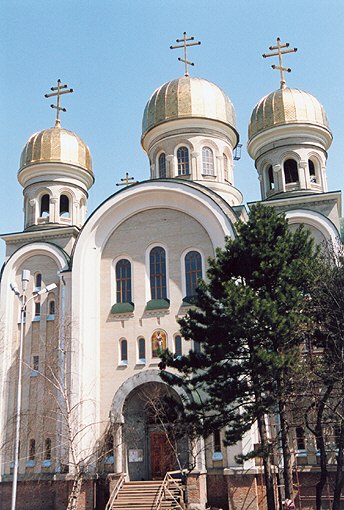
(249, 323)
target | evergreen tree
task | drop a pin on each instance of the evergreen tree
(249, 323)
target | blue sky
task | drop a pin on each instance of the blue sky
(114, 54)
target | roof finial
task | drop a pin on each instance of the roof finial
(126, 180)
(59, 91)
(185, 45)
(280, 52)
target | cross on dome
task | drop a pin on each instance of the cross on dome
(280, 52)
(185, 45)
(59, 91)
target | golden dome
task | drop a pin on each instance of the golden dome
(286, 106)
(187, 97)
(56, 145)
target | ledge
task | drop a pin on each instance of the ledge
(123, 308)
(158, 304)
(189, 301)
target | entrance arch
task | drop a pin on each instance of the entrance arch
(147, 443)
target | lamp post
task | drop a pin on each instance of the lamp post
(25, 277)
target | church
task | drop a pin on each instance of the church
(89, 300)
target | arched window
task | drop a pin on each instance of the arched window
(183, 161)
(162, 165)
(193, 271)
(32, 449)
(37, 309)
(300, 438)
(271, 178)
(64, 206)
(142, 350)
(311, 169)
(157, 266)
(45, 204)
(124, 352)
(291, 173)
(225, 167)
(123, 281)
(52, 307)
(178, 345)
(207, 161)
(47, 449)
(38, 281)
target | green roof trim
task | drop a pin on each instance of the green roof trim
(122, 308)
(189, 301)
(158, 304)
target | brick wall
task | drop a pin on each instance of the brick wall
(45, 495)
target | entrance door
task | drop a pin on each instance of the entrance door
(162, 455)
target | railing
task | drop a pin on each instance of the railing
(165, 492)
(115, 491)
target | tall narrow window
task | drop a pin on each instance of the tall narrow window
(45, 203)
(271, 178)
(290, 171)
(300, 438)
(207, 161)
(183, 161)
(193, 271)
(217, 441)
(35, 363)
(178, 345)
(225, 167)
(157, 263)
(142, 350)
(124, 352)
(32, 449)
(197, 346)
(47, 449)
(64, 206)
(38, 281)
(52, 307)
(37, 309)
(162, 165)
(123, 281)
(311, 169)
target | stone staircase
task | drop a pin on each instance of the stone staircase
(143, 496)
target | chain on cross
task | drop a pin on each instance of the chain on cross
(185, 45)
(58, 91)
(279, 47)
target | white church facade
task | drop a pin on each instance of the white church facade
(127, 273)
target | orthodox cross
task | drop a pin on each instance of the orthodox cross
(280, 52)
(58, 91)
(185, 45)
(126, 181)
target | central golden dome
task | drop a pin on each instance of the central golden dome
(187, 97)
(56, 145)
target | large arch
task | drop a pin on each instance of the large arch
(206, 207)
(316, 220)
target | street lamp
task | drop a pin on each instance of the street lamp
(25, 277)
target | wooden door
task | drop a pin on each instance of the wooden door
(162, 455)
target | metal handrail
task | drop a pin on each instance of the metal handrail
(115, 491)
(164, 489)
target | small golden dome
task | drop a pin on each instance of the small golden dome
(187, 97)
(56, 145)
(286, 106)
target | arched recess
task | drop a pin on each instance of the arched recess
(143, 377)
(315, 220)
(196, 201)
